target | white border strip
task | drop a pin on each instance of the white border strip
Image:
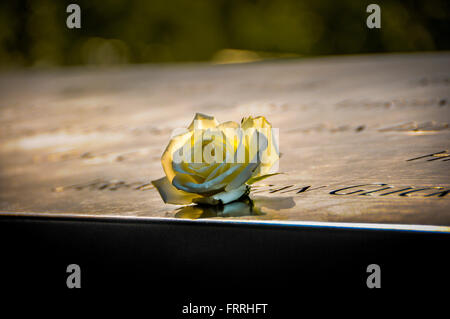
(378, 226)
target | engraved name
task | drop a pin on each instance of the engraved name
(362, 189)
(369, 189)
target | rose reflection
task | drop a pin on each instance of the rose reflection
(243, 207)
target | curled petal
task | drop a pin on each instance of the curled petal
(257, 122)
(271, 154)
(242, 177)
(167, 158)
(229, 124)
(254, 164)
(171, 195)
(206, 170)
(182, 168)
(231, 139)
(202, 121)
(253, 180)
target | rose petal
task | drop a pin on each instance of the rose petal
(257, 122)
(175, 145)
(270, 157)
(229, 130)
(232, 138)
(242, 177)
(202, 121)
(260, 122)
(223, 197)
(182, 168)
(206, 171)
(249, 170)
(178, 167)
(253, 180)
(213, 173)
(228, 124)
(187, 184)
(171, 195)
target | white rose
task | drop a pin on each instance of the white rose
(212, 163)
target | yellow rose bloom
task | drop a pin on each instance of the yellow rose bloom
(212, 163)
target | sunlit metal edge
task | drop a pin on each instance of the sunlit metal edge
(369, 226)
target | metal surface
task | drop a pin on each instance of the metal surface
(364, 139)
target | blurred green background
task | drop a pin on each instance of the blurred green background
(34, 32)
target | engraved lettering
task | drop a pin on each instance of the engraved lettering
(306, 189)
(280, 189)
(438, 155)
(335, 192)
(400, 190)
(376, 190)
(413, 191)
(303, 189)
(440, 193)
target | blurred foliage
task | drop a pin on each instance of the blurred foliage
(34, 32)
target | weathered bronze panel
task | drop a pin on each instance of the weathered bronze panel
(364, 139)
